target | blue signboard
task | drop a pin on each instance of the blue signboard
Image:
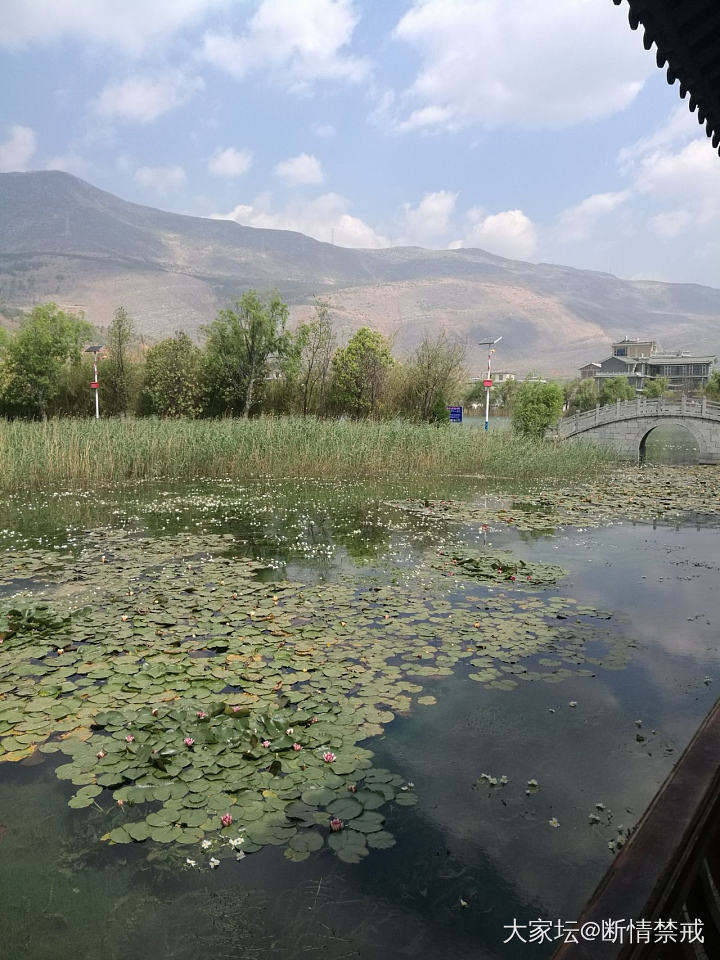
(455, 414)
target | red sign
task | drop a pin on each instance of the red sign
(94, 384)
(487, 383)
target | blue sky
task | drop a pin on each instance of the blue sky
(541, 131)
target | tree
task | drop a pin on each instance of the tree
(433, 374)
(616, 388)
(359, 372)
(502, 395)
(317, 346)
(537, 407)
(115, 381)
(712, 387)
(173, 386)
(241, 342)
(657, 389)
(581, 395)
(36, 357)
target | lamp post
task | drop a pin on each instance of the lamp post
(490, 344)
(95, 350)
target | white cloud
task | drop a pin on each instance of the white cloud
(517, 62)
(427, 223)
(302, 169)
(17, 151)
(691, 172)
(579, 221)
(230, 162)
(143, 98)
(134, 28)
(679, 128)
(666, 220)
(325, 217)
(671, 223)
(70, 162)
(161, 179)
(299, 41)
(323, 130)
(509, 233)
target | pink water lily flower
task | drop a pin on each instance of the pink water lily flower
(329, 757)
(129, 738)
(226, 819)
(236, 708)
(100, 754)
(265, 743)
(336, 824)
(314, 719)
(201, 715)
(188, 741)
(296, 747)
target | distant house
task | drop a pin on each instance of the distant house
(642, 361)
(497, 376)
(589, 370)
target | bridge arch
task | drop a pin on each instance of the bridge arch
(645, 432)
(625, 425)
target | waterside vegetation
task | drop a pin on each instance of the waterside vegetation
(38, 455)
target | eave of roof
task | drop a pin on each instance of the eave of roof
(675, 359)
(687, 37)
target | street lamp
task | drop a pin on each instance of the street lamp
(95, 350)
(490, 344)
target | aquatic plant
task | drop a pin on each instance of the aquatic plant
(177, 639)
(41, 455)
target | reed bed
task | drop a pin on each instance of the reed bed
(46, 455)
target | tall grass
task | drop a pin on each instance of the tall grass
(41, 455)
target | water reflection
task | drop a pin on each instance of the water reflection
(669, 444)
(469, 857)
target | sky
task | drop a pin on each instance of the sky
(534, 130)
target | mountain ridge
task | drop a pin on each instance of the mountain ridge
(63, 239)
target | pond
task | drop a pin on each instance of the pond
(340, 720)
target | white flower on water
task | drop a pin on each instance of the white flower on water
(554, 822)
(237, 843)
(240, 855)
(206, 844)
(214, 862)
(190, 863)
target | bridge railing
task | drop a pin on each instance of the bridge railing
(640, 407)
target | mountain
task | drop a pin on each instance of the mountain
(62, 239)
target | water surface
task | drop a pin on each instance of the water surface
(469, 856)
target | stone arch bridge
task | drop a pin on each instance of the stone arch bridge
(626, 424)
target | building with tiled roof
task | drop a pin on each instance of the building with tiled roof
(642, 361)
